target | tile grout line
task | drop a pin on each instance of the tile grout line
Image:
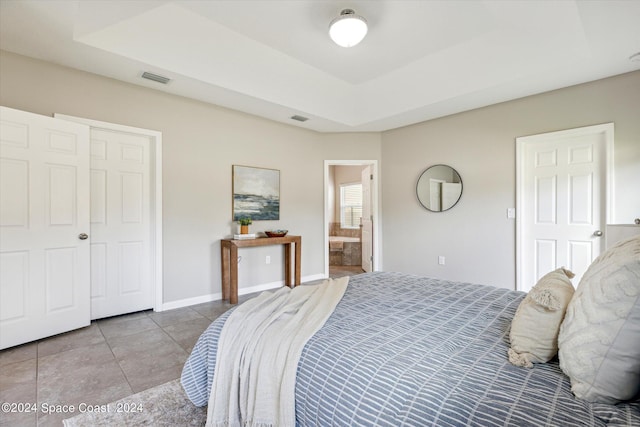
(160, 327)
(106, 340)
(171, 336)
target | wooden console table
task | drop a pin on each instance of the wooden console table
(229, 255)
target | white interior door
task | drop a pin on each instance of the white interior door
(562, 196)
(44, 209)
(367, 223)
(120, 223)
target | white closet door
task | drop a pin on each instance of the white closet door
(563, 201)
(44, 212)
(120, 223)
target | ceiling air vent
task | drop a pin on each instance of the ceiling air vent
(155, 78)
(300, 118)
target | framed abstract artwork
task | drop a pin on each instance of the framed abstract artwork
(256, 193)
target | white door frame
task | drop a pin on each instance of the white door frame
(521, 142)
(366, 223)
(156, 196)
(375, 210)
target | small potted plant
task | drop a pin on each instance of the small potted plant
(244, 221)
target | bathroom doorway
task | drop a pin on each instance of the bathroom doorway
(352, 232)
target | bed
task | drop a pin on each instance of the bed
(407, 350)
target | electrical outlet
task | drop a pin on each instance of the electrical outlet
(511, 213)
(441, 260)
(267, 260)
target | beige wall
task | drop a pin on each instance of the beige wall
(200, 144)
(475, 236)
(202, 141)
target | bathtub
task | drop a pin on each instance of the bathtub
(345, 250)
(343, 239)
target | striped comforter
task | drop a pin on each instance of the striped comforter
(407, 350)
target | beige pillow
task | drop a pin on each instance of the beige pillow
(600, 336)
(535, 326)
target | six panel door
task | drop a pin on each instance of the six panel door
(44, 217)
(564, 210)
(120, 223)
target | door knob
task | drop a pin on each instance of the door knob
(83, 236)
(597, 233)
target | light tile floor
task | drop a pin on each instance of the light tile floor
(106, 361)
(336, 271)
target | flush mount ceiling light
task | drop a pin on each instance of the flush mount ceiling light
(348, 29)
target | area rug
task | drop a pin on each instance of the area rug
(164, 405)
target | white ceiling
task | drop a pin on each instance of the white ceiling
(420, 59)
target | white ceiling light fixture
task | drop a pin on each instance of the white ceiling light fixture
(348, 29)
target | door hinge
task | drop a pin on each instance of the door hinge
(371, 177)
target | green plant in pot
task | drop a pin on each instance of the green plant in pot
(244, 221)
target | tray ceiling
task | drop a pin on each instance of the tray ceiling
(420, 59)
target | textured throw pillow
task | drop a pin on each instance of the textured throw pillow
(600, 337)
(534, 328)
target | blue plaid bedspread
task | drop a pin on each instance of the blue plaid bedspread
(402, 350)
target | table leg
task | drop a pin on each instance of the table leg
(233, 291)
(224, 255)
(287, 265)
(298, 261)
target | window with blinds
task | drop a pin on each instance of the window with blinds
(350, 205)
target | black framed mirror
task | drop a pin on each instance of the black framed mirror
(439, 188)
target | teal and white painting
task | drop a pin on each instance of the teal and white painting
(256, 193)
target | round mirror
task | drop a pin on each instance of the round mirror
(439, 188)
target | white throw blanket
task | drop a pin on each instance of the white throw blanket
(258, 352)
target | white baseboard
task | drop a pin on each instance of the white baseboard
(171, 305)
(314, 277)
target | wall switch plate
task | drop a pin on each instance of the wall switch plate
(267, 260)
(511, 213)
(441, 260)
